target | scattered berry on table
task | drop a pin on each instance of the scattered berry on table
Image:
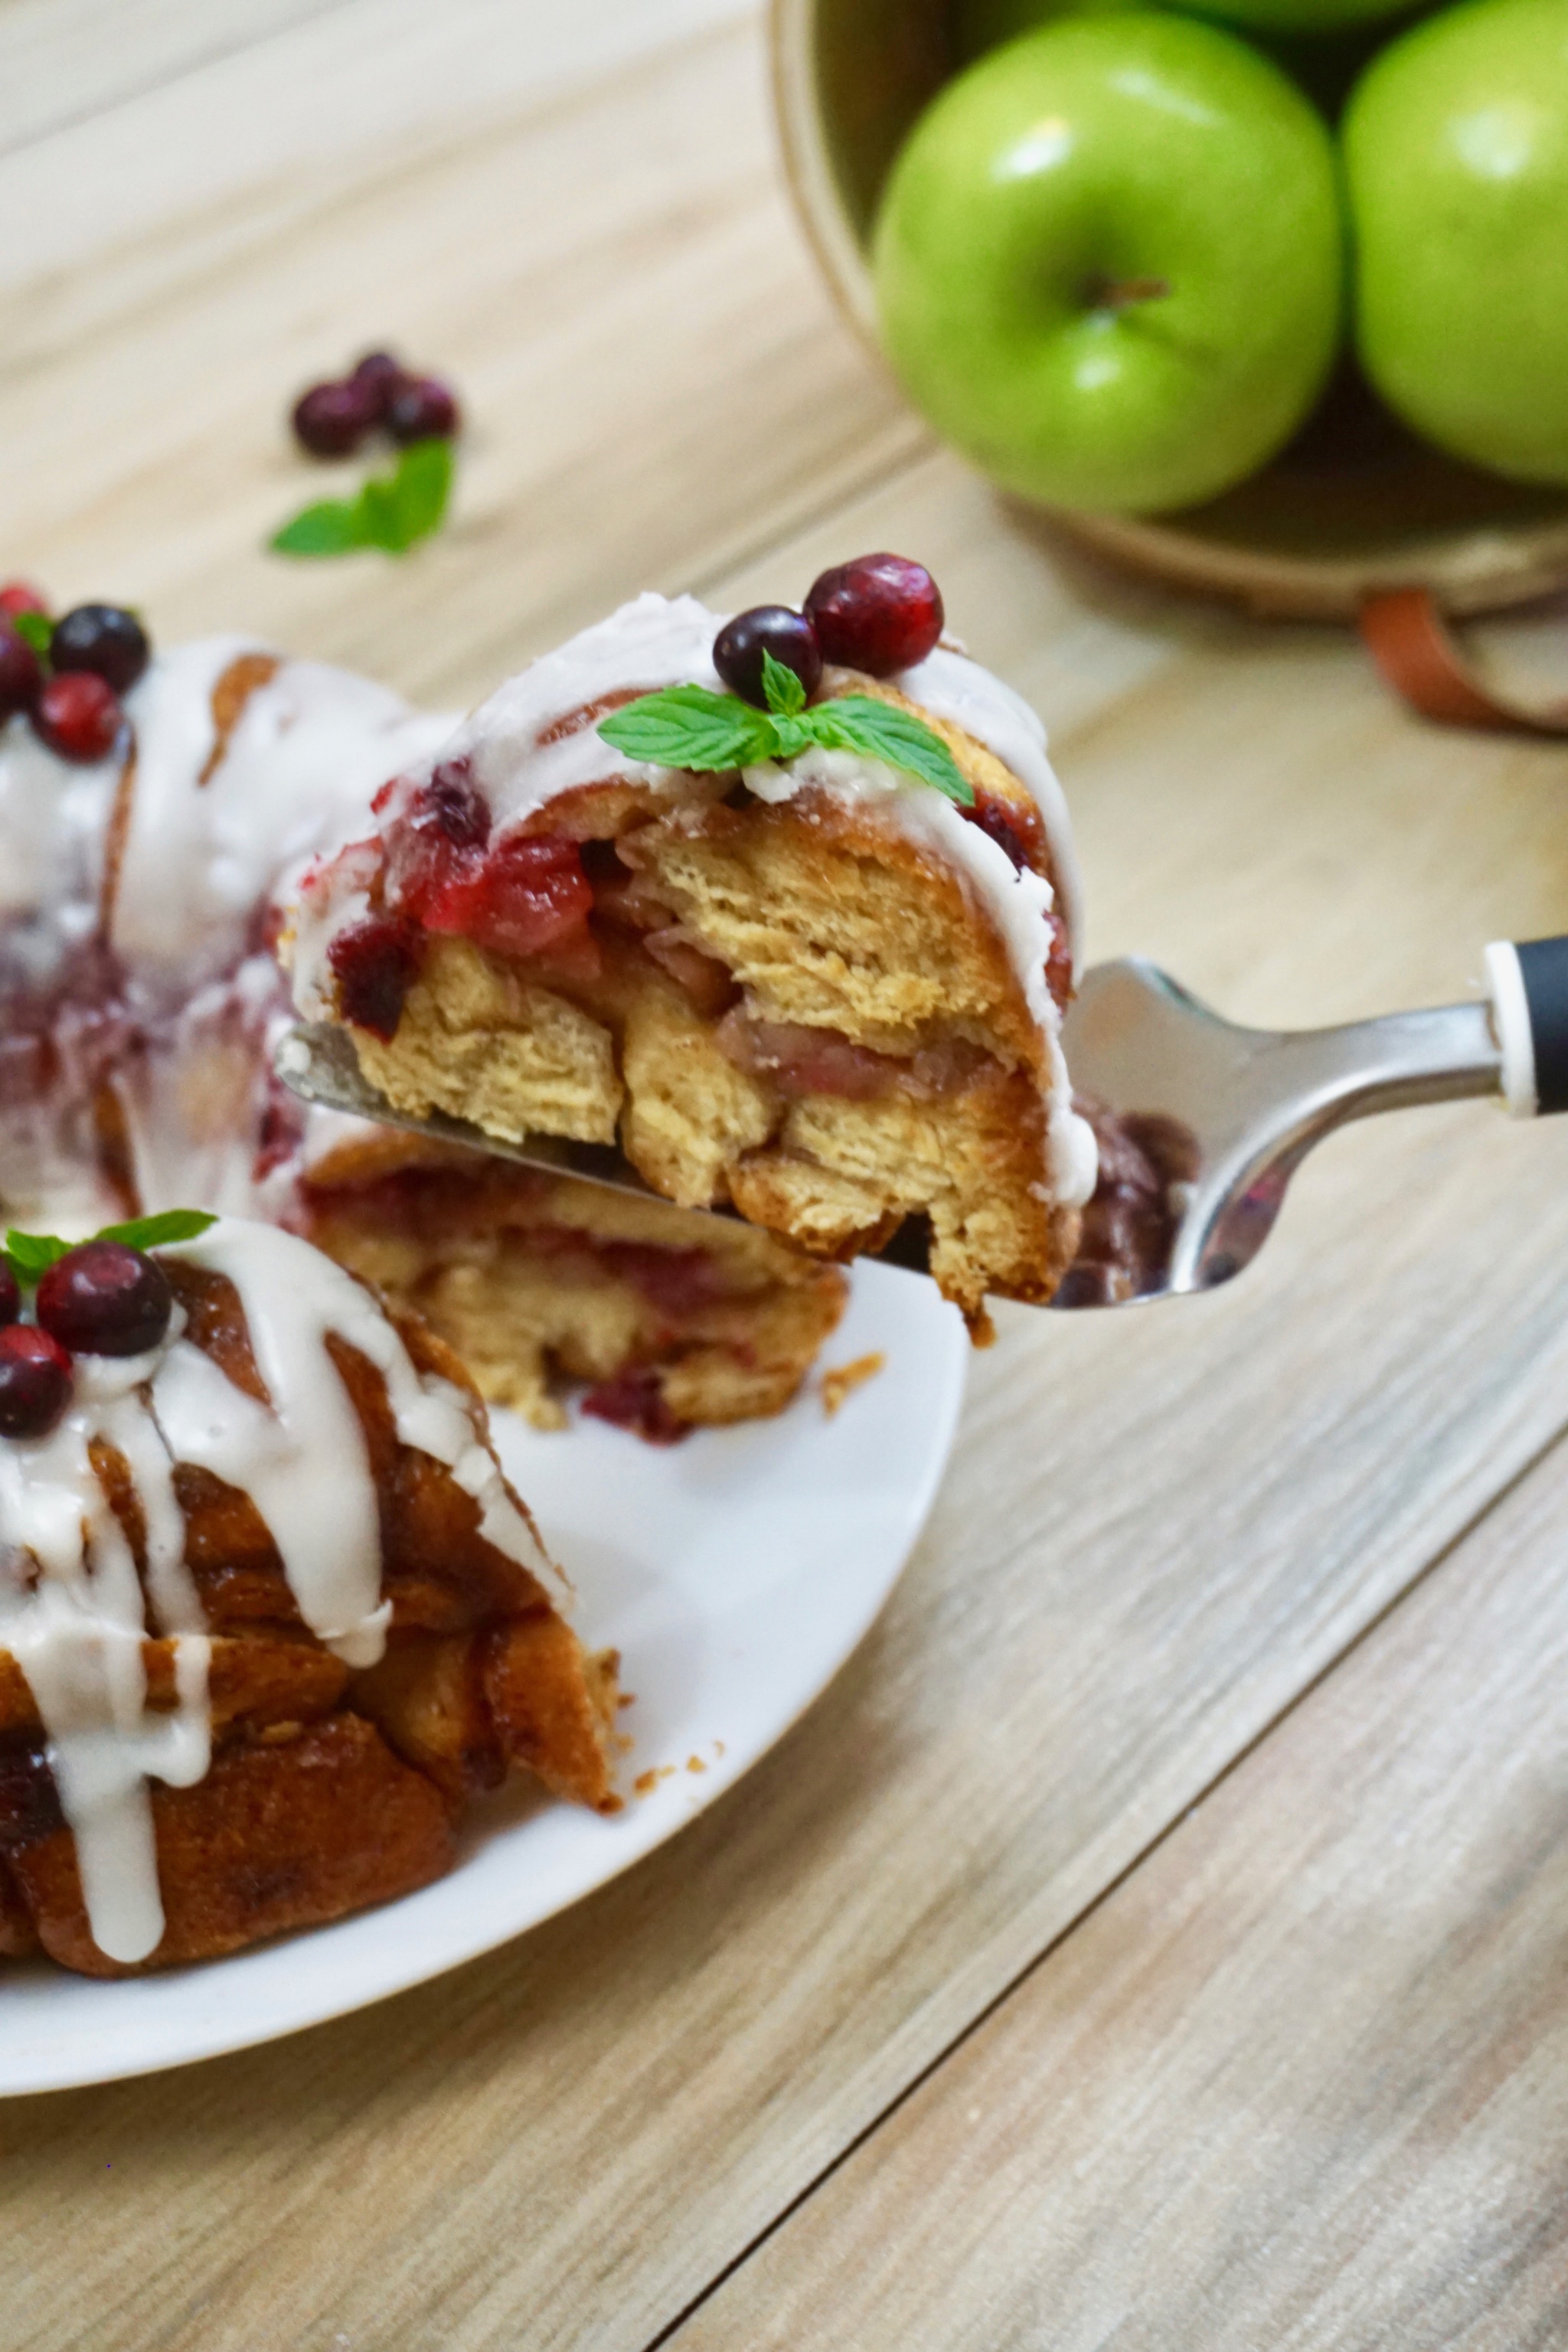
(10, 1292)
(422, 408)
(21, 673)
(17, 596)
(79, 716)
(35, 1381)
(105, 1298)
(739, 647)
(383, 374)
(880, 613)
(102, 638)
(331, 420)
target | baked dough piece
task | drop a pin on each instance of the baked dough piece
(542, 1284)
(817, 991)
(271, 1617)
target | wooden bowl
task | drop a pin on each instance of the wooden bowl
(1355, 505)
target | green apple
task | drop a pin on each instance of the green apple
(1457, 156)
(1109, 262)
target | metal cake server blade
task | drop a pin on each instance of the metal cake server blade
(1225, 1114)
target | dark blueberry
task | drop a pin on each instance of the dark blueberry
(10, 1292)
(104, 1298)
(422, 408)
(739, 647)
(382, 374)
(21, 673)
(880, 614)
(375, 963)
(105, 639)
(79, 716)
(35, 1381)
(17, 596)
(331, 420)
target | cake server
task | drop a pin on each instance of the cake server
(1228, 1113)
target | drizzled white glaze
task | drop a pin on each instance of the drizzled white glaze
(168, 988)
(71, 1603)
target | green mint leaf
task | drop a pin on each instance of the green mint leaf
(398, 509)
(880, 730)
(786, 694)
(331, 527)
(690, 726)
(159, 1232)
(34, 629)
(791, 736)
(31, 1254)
(393, 511)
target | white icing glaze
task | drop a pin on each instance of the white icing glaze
(71, 1604)
(174, 1008)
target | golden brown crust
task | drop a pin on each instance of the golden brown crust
(279, 1835)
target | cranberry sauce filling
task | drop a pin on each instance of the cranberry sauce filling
(375, 963)
(799, 1061)
(1131, 1223)
(522, 895)
(635, 1401)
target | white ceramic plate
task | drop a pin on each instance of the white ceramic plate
(735, 1573)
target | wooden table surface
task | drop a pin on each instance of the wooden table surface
(1158, 1935)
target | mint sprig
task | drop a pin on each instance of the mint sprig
(31, 1254)
(392, 511)
(34, 629)
(692, 727)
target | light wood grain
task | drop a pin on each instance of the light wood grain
(63, 61)
(1159, 1527)
(654, 377)
(1299, 2083)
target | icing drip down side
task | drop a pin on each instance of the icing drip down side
(72, 1608)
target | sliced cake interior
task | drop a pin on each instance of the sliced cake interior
(543, 1283)
(809, 986)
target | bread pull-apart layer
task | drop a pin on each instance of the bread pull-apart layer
(799, 1007)
(544, 1284)
(337, 1777)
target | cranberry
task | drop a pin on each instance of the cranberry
(102, 638)
(35, 1381)
(105, 1298)
(375, 963)
(10, 1292)
(522, 899)
(422, 408)
(382, 374)
(452, 804)
(739, 647)
(16, 596)
(331, 420)
(79, 716)
(880, 613)
(21, 673)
